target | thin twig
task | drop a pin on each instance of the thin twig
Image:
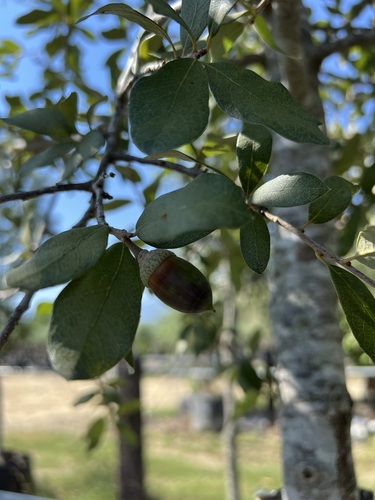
(14, 318)
(28, 195)
(324, 254)
(99, 197)
(124, 236)
(115, 128)
(176, 167)
(113, 139)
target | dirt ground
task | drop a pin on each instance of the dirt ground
(32, 400)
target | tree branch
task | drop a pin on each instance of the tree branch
(14, 318)
(28, 195)
(248, 59)
(115, 127)
(176, 167)
(322, 253)
(364, 38)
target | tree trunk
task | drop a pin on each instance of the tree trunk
(130, 482)
(230, 427)
(229, 437)
(315, 405)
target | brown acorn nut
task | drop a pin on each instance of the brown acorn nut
(175, 281)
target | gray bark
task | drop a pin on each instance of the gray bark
(315, 405)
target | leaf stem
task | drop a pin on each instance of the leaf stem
(324, 254)
(124, 236)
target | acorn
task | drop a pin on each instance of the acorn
(175, 281)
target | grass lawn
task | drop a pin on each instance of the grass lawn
(61, 467)
(181, 465)
(39, 419)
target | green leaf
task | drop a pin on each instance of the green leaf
(35, 16)
(44, 308)
(95, 433)
(332, 203)
(95, 317)
(130, 406)
(217, 145)
(247, 377)
(365, 251)
(289, 190)
(255, 243)
(170, 107)
(128, 435)
(15, 103)
(254, 147)
(195, 14)
(61, 258)
(112, 205)
(56, 45)
(91, 143)
(225, 39)
(46, 157)
(69, 108)
(44, 121)
(164, 9)
(246, 96)
(244, 405)
(128, 173)
(261, 27)
(178, 218)
(216, 14)
(149, 192)
(9, 58)
(110, 394)
(358, 305)
(9, 47)
(130, 363)
(131, 15)
(85, 398)
(114, 34)
(90, 115)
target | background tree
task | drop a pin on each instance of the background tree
(315, 406)
(167, 109)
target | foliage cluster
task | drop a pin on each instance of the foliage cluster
(170, 98)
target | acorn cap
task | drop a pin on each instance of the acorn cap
(149, 261)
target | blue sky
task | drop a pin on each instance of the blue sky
(31, 58)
